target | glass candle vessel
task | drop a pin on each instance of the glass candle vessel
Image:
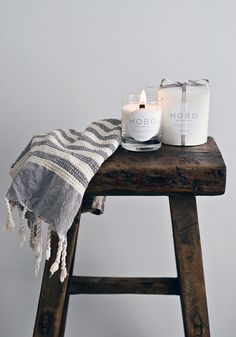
(141, 122)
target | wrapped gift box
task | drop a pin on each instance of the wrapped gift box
(185, 112)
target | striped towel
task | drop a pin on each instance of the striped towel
(50, 178)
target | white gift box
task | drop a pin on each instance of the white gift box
(185, 112)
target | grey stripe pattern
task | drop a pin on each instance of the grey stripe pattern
(50, 178)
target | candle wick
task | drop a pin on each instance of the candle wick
(141, 106)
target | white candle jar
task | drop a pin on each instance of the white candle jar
(141, 122)
(185, 108)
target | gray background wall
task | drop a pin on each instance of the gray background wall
(66, 63)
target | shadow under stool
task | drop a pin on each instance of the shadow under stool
(181, 173)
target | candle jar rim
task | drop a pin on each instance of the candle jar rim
(135, 99)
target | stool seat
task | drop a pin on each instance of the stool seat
(172, 169)
(180, 173)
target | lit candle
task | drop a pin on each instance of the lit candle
(141, 123)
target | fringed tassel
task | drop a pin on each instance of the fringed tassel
(38, 246)
(60, 257)
(21, 232)
(48, 245)
(55, 265)
(36, 242)
(10, 224)
(63, 273)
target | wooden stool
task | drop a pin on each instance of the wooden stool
(178, 172)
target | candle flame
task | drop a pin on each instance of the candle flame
(143, 98)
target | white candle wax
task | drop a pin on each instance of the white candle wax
(127, 109)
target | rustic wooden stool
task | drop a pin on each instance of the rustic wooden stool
(178, 172)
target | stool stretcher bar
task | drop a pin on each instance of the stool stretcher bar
(124, 285)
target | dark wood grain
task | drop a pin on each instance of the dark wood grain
(199, 170)
(189, 265)
(124, 285)
(54, 295)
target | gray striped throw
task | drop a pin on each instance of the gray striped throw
(50, 178)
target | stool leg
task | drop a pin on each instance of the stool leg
(54, 295)
(189, 265)
(67, 295)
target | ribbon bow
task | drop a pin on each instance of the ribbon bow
(165, 83)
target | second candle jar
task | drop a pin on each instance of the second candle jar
(141, 122)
